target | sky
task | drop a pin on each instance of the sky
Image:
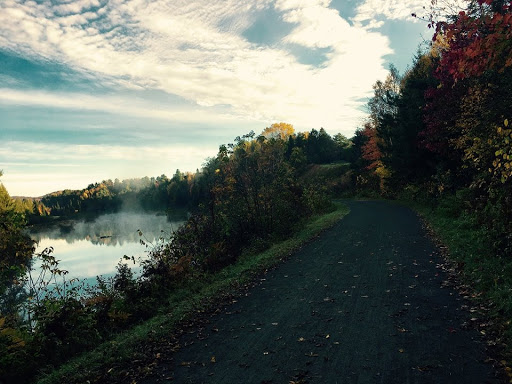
(102, 89)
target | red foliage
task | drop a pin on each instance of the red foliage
(471, 46)
(370, 150)
(476, 44)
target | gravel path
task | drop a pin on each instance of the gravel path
(364, 303)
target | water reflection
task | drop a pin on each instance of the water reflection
(91, 248)
(110, 229)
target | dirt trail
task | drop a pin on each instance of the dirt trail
(364, 303)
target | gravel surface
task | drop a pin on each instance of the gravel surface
(366, 302)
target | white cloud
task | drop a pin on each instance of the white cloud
(17, 152)
(317, 26)
(117, 104)
(75, 6)
(196, 50)
(369, 11)
(390, 9)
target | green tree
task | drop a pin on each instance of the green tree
(16, 248)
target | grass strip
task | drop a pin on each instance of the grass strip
(183, 304)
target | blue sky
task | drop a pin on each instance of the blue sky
(98, 89)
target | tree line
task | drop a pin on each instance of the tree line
(443, 130)
(182, 190)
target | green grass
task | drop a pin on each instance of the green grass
(327, 170)
(195, 296)
(334, 165)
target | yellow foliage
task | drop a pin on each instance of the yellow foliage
(502, 163)
(279, 131)
(441, 44)
(383, 172)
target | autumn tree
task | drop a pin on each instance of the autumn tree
(278, 131)
(380, 128)
(473, 73)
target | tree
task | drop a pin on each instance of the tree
(16, 248)
(278, 131)
(380, 128)
(474, 71)
(408, 159)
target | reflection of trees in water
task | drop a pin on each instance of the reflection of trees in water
(112, 229)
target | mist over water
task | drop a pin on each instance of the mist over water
(88, 248)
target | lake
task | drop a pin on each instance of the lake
(89, 248)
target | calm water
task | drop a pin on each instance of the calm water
(90, 248)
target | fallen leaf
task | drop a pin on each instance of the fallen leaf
(213, 360)
(301, 339)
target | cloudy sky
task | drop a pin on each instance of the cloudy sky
(99, 89)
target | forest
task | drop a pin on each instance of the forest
(437, 137)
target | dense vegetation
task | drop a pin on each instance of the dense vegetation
(442, 130)
(256, 191)
(440, 135)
